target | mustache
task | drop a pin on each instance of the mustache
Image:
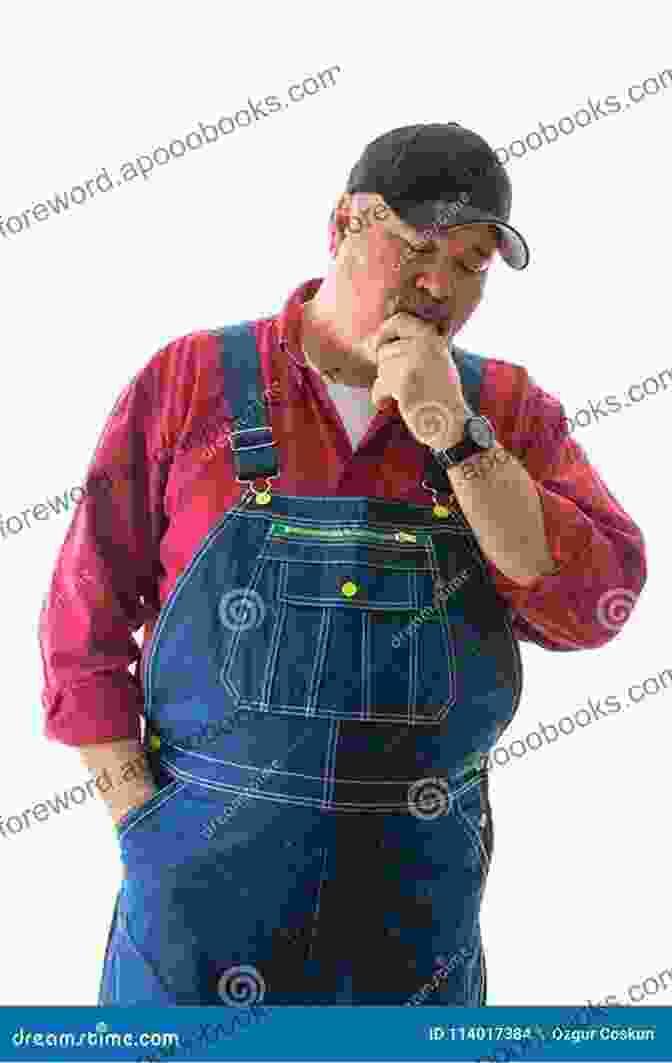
(437, 313)
(438, 316)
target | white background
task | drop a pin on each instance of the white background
(577, 902)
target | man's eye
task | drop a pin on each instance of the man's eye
(424, 249)
(479, 267)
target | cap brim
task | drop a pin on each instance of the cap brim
(440, 217)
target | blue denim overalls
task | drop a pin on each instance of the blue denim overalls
(353, 664)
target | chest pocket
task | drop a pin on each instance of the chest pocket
(343, 623)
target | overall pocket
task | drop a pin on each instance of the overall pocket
(473, 812)
(128, 976)
(346, 627)
(131, 820)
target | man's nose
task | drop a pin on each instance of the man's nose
(438, 280)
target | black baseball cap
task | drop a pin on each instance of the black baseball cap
(438, 176)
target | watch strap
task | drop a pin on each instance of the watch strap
(462, 450)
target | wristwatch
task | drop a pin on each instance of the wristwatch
(478, 435)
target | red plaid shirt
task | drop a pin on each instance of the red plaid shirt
(160, 480)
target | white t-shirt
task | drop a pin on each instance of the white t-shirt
(355, 408)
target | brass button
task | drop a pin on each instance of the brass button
(349, 588)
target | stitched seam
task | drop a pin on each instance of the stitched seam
(154, 808)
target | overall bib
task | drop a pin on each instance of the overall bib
(353, 664)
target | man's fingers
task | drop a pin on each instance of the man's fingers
(401, 326)
(393, 349)
(380, 393)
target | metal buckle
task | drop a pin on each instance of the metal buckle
(262, 498)
(440, 509)
(266, 479)
(242, 431)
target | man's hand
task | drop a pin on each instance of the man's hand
(140, 797)
(124, 766)
(415, 367)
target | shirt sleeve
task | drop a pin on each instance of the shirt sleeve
(105, 582)
(599, 551)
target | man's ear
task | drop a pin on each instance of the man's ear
(340, 223)
(344, 216)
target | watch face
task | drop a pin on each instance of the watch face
(480, 432)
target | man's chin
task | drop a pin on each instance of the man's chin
(444, 329)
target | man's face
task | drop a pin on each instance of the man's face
(438, 274)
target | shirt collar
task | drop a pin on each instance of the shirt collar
(289, 321)
(289, 324)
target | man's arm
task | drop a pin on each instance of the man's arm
(501, 504)
(105, 585)
(599, 550)
(131, 786)
(102, 591)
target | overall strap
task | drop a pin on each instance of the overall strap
(470, 368)
(255, 455)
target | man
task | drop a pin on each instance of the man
(330, 843)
